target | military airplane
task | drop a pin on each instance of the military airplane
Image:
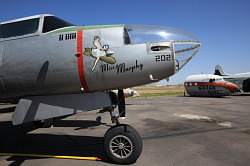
(53, 68)
(209, 85)
(241, 79)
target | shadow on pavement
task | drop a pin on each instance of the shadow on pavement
(17, 139)
(80, 124)
(187, 96)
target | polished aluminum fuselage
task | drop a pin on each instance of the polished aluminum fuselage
(44, 64)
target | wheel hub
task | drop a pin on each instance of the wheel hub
(121, 146)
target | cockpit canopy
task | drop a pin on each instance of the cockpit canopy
(51, 23)
(137, 34)
(19, 28)
(31, 25)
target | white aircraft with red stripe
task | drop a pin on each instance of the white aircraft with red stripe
(209, 85)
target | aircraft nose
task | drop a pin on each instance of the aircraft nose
(233, 88)
(185, 47)
(184, 44)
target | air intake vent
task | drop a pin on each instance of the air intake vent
(160, 48)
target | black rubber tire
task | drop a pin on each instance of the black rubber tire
(130, 133)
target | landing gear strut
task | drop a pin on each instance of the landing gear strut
(122, 143)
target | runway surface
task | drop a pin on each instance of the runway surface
(178, 131)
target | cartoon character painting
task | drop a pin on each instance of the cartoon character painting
(100, 52)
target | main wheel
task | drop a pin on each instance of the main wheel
(122, 144)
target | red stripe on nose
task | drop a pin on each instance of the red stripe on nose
(80, 61)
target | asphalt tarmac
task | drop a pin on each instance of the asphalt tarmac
(176, 131)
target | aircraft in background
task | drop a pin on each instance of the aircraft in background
(128, 92)
(209, 85)
(53, 68)
(241, 79)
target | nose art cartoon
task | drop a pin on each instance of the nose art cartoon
(100, 52)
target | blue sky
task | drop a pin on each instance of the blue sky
(223, 26)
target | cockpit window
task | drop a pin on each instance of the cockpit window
(19, 28)
(51, 23)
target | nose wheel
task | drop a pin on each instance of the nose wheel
(122, 144)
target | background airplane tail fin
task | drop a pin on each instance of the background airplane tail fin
(219, 71)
